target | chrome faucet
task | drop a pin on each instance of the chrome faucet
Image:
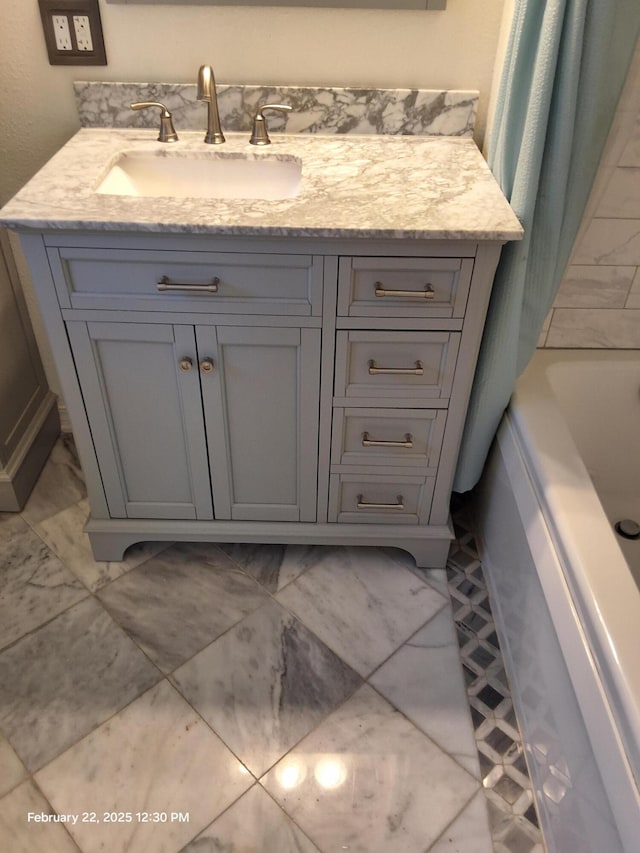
(207, 92)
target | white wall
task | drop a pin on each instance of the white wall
(454, 49)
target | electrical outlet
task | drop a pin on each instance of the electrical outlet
(61, 32)
(82, 30)
(73, 32)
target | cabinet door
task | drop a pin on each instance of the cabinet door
(146, 416)
(261, 403)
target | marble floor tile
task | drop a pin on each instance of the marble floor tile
(265, 684)
(253, 823)
(368, 781)
(19, 834)
(60, 484)
(155, 756)
(34, 585)
(11, 525)
(179, 601)
(64, 534)
(469, 832)
(424, 680)
(12, 770)
(437, 578)
(274, 566)
(67, 677)
(361, 603)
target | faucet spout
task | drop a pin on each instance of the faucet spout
(207, 92)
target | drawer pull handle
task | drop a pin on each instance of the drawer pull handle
(372, 442)
(362, 504)
(427, 293)
(206, 365)
(165, 283)
(404, 371)
(185, 364)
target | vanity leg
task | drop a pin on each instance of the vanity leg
(428, 554)
(110, 547)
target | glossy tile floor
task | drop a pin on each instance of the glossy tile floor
(233, 698)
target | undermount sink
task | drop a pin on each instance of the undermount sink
(201, 175)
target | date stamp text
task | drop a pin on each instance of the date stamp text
(109, 817)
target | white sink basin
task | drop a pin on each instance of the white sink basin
(201, 175)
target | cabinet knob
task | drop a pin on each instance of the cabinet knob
(206, 365)
(185, 364)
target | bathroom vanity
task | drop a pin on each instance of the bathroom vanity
(289, 369)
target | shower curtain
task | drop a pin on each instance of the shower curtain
(564, 70)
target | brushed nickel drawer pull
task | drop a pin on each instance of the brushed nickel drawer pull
(427, 293)
(372, 442)
(404, 371)
(165, 283)
(362, 504)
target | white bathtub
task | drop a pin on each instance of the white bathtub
(565, 466)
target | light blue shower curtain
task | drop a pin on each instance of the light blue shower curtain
(564, 70)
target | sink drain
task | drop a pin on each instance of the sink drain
(628, 528)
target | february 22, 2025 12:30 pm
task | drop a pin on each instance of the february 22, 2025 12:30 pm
(109, 817)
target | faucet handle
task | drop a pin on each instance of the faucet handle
(259, 133)
(167, 130)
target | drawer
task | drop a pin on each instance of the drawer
(404, 287)
(409, 438)
(410, 365)
(376, 499)
(220, 282)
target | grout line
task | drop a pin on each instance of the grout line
(54, 811)
(224, 811)
(458, 814)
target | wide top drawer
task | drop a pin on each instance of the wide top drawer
(221, 282)
(404, 287)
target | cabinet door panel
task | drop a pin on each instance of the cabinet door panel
(147, 417)
(261, 410)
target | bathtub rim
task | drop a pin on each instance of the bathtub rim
(607, 603)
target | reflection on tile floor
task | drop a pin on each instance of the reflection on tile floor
(247, 698)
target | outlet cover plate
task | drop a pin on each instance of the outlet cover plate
(69, 9)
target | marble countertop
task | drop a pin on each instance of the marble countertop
(402, 187)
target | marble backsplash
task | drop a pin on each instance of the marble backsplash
(416, 112)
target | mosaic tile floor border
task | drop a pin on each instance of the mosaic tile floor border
(505, 778)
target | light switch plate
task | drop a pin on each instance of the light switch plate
(73, 32)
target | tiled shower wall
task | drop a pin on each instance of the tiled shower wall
(598, 304)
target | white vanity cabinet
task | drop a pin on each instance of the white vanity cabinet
(276, 390)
